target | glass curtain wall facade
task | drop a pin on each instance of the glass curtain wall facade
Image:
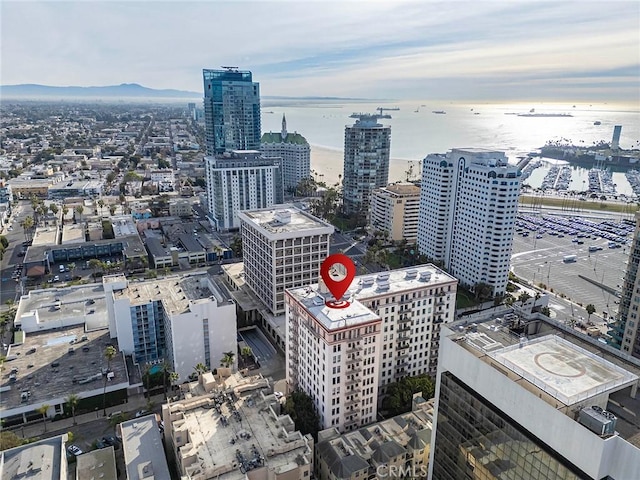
(231, 111)
(474, 440)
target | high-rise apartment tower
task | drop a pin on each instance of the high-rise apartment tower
(367, 145)
(468, 207)
(231, 110)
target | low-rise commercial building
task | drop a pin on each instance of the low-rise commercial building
(394, 448)
(234, 430)
(45, 460)
(97, 464)
(143, 450)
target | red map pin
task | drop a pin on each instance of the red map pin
(336, 279)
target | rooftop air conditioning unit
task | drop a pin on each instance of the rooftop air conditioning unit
(598, 420)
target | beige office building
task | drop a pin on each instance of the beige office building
(394, 209)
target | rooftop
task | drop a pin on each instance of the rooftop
(285, 218)
(48, 369)
(143, 450)
(237, 425)
(555, 362)
(72, 234)
(41, 460)
(57, 307)
(97, 464)
(562, 369)
(272, 137)
(45, 236)
(400, 280)
(176, 292)
(400, 189)
(332, 318)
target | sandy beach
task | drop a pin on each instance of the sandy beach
(327, 165)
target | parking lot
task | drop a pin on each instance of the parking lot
(601, 253)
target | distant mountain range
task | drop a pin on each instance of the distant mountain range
(110, 91)
(124, 90)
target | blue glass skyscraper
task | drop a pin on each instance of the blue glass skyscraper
(231, 110)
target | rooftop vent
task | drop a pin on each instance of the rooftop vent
(425, 276)
(382, 276)
(383, 285)
(367, 281)
(411, 274)
(282, 216)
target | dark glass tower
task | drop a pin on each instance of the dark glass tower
(231, 110)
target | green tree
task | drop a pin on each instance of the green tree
(300, 407)
(112, 210)
(95, 265)
(11, 440)
(109, 353)
(65, 210)
(399, 395)
(246, 351)
(236, 246)
(101, 205)
(54, 209)
(72, 268)
(28, 225)
(483, 291)
(227, 359)
(523, 298)
(79, 210)
(42, 410)
(72, 401)
(590, 310)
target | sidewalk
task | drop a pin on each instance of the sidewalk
(135, 403)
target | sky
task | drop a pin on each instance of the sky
(480, 50)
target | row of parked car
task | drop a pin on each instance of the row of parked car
(104, 442)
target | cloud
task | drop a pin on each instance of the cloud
(327, 48)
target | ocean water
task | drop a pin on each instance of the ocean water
(416, 131)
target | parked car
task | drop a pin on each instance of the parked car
(74, 450)
(142, 413)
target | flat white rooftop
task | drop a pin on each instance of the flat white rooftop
(143, 450)
(564, 370)
(332, 318)
(285, 218)
(400, 280)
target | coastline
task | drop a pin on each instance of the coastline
(327, 165)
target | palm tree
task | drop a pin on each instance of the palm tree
(54, 210)
(109, 353)
(27, 226)
(173, 378)
(95, 264)
(200, 368)
(590, 310)
(79, 209)
(101, 205)
(112, 210)
(227, 359)
(72, 268)
(42, 410)
(246, 351)
(523, 298)
(65, 210)
(72, 401)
